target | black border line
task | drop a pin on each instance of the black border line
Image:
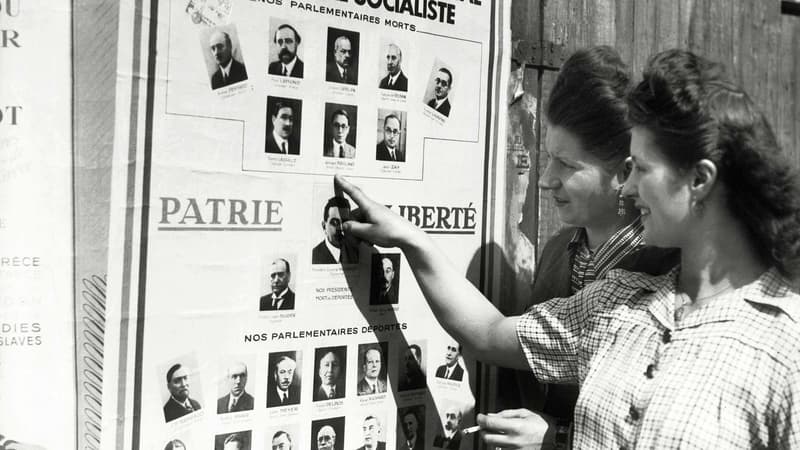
(143, 243)
(73, 241)
(122, 368)
(484, 282)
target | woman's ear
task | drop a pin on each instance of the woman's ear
(704, 177)
(624, 170)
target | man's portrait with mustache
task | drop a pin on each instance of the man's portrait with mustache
(283, 126)
(286, 41)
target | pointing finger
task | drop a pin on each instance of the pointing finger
(342, 185)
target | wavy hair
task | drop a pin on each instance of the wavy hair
(695, 112)
(588, 100)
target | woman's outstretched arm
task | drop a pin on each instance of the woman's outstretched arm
(460, 308)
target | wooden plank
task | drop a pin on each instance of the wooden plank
(787, 126)
(525, 20)
(624, 36)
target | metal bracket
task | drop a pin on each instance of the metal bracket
(545, 55)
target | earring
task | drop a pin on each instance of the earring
(620, 201)
(698, 207)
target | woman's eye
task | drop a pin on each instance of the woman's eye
(566, 164)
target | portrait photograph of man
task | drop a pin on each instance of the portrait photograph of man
(372, 371)
(330, 382)
(392, 137)
(392, 60)
(385, 279)
(437, 94)
(180, 403)
(284, 53)
(335, 248)
(451, 369)
(280, 296)
(372, 429)
(236, 398)
(412, 368)
(340, 131)
(450, 437)
(223, 56)
(411, 421)
(239, 440)
(175, 444)
(283, 126)
(283, 384)
(342, 60)
(282, 440)
(327, 434)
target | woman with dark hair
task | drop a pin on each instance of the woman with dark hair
(706, 356)
(587, 144)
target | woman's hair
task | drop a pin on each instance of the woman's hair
(694, 112)
(588, 100)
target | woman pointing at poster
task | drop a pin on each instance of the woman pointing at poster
(707, 355)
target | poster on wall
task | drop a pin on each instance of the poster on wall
(242, 316)
(37, 315)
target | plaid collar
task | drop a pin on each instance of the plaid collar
(623, 242)
(770, 289)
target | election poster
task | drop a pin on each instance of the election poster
(240, 315)
(37, 316)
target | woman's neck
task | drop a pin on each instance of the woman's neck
(718, 257)
(598, 234)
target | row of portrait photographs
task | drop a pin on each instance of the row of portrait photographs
(329, 433)
(278, 284)
(284, 122)
(226, 64)
(286, 385)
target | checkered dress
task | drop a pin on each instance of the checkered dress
(725, 376)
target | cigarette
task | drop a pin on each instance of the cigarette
(471, 430)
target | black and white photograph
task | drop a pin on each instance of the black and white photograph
(341, 127)
(239, 440)
(335, 247)
(284, 117)
(342, 56)
(449, 436)
(223, 55)
(452, 368)
(278, 284)
(330, 370)
(391, 132)
(385, 279)
(411, 366)
(328, 434)
(372, 368)
(391, 66)
(371, 431)
(182, 388)
(234, 393)
(411, 428)
(440, 86)
(284, 378)
(285, 50)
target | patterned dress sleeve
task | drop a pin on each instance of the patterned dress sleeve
(550, 333)
(787, 420)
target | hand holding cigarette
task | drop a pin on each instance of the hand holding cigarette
(514, 429)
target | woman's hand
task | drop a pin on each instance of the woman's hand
(516, 428)
(373, 222)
